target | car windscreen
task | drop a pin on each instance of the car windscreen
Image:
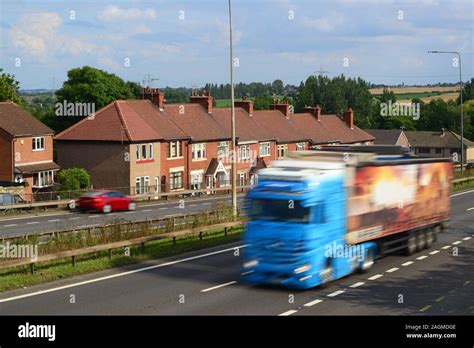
(279, 210)
(92, 194)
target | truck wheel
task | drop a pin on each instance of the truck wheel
(368, 262)
(421, 240)
(429, 238)
(411, 244)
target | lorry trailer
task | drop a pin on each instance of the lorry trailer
(321, 215)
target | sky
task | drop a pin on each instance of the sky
(186, 43)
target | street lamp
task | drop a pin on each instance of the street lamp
(462, 114)
(232, 108)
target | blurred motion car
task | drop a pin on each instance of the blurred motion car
(105, 201)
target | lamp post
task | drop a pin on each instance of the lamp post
(232, 108)
(462, 114)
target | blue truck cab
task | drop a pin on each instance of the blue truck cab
(295, 233)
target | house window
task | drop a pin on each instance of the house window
(223, 149)
(264, 149)
(156, 186)
(424, 150)
(199, 151)
(43, 179)
(282, 150)
(224, 179)
(244, 152)
(243, 178)
(438, 150)
(142, 185)
(173, 149)
(150, 151)
(144, 152)
(38, 144)
(137, 152)
(196, 180)
(300, 146)
(176, 180)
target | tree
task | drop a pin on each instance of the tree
(263, 102)
(9, 88)
(90, 85)
(277, 87)
(468, 91)
(74, 179)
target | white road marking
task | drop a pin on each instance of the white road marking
(356, 285)
(11, 225)
(129, 212)
(32, 223)
(312, 303)
(377, 276)
(462, 193)
(74, 218)
(394, 269)
(467, 238)
(219, 286)
(457, 242)
(470, 209)
(56, 220)
(206, 203)
(93, 216)
(434, 252)
(335, 293)
(170, 263)
(407, 263)
(422, 257)
(446, 247)
(287, 313)
(162, 208)
(147, 210)
(192, 205)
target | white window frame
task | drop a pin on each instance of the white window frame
(143, 146)
(223, 145)
(283, 148)
(137, 151)
(244, 152)
(38, 144)
(175, 149)
(198, 151)
(172, 186)
(265, 145)
(156, 184)
(300, 146)
(150, 151)
(143, 185)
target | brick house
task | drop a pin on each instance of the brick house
(26, 150)
(187, 146)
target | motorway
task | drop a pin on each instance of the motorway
(437, 281)
(61, 221)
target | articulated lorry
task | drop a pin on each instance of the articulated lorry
(321, 215)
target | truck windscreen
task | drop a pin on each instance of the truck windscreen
(279, 210)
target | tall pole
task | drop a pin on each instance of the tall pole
(462, 111)
(234, 153)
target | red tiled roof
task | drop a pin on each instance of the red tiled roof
(330, 129)
(18, 122)
(246, 127)
(125, 120)
(283, 129)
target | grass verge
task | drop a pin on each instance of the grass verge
(20, 277)
(463, 186)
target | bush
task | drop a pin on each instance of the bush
(74, 179)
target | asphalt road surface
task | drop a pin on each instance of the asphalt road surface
(437, 281)
(21, 226)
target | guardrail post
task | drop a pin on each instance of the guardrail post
(73, 261)
(32, 268)
(110, 254)
(174, 240)
(225, 231)
(200, 235)
(143, 247)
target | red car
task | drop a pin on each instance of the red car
(105, 201)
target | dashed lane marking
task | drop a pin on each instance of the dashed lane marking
(457, 242)
(422, 257)
(312, 303)
(434, 252)
(287, 313)
(407, 263)
(336, 293)
(394, 269)
(377, 276)
(356, 285)
(219, 286)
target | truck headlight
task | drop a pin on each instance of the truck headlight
(249, 264)
(302, 269)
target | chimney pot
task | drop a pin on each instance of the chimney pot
(315, 110)
(245, 104)
(155, 95)
(349, 117)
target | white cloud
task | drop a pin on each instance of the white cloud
(321, 24)
(115, 13)
(34, 32)
(223, 32)
(309, 58)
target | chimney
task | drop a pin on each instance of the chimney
(204, 99)
(442, 132)
(283, 107)
(245, 104)
(156, 96)
(349, 117)
(315, 110)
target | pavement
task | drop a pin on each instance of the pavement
(436, 281)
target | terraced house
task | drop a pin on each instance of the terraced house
(26, 151)
(147, 146)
